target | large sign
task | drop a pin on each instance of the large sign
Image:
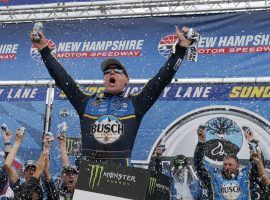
(108, 181)
(228, 48)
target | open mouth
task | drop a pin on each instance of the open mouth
(70, 182)
(112, 80)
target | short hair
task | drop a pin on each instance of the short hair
(231, 156)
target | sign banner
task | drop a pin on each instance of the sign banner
(113, 180)
(231, 45)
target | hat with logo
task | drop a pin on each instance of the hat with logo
(180, 160)
(70, 168)
(113, 62)
(30, 163)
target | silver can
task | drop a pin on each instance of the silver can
(4, 127)
(38, 26)
(21, 131)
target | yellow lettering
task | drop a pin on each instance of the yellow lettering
(266, 93)
(246, 92)
(257, 91)
(235, 92)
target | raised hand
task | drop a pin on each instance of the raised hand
(41, 44)
(7, 135)
(19, 135)
(248, 133)
(201, 134)
(183, 41)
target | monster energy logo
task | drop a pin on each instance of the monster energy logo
(152, 184)
(96, 174)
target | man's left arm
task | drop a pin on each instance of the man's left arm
(156, 85)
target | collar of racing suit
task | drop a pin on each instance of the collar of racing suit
(120, 94)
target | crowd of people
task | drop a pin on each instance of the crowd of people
(36, 182)
(211, 181)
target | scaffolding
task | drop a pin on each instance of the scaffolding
(124, 9)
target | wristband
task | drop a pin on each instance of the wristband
(7, 143)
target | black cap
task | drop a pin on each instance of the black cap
(70, 168)
(180, 160)
(30, 163)
(111, 61)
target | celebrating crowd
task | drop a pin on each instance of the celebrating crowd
(36, 182)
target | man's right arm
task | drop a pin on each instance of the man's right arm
(200, 166)
(76, 96)
(13, 175)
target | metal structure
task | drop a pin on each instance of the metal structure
(124, 9)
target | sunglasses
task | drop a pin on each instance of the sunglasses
(116, 70)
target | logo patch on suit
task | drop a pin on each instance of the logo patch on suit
(230, 190)
(107, 129)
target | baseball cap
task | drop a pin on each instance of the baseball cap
(180, 160)
(111, 61)
(70, 168)
(30, 163)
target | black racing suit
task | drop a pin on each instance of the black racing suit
(109, 123)
(3, 179)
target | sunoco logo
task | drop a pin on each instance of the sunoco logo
(107, 129)
(35, 53)
(152, 185)
(165, 45)
(95, 176)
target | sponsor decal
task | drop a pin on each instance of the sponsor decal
(223, 137)
(250, 92)
(73, 146)
(98, 174)
(107, 129)
(165, 45)
(35, 53)
(64, 113)
(152, 185)
(93, 49)
(8, 51)
(230, 190)
(95, 175)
